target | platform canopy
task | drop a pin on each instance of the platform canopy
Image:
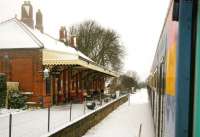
(14, 34)
(60, 58)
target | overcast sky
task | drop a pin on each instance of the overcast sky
(138, 22)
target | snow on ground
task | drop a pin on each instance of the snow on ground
(126, 120)
(123, 122)
(4, 111)
(34, 123)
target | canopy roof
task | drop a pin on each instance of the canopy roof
(14, 34)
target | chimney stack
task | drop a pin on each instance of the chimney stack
(73, 41)
(62, 34)
(39, 21)
(64, 37)
(27, 14)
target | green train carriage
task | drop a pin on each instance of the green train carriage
(174, 82)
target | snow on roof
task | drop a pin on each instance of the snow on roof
(14, 34)
(51, 43)
(84, 56)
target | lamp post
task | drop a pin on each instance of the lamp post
(46, 76)
(46, 73)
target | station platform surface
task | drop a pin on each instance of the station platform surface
(126, 120)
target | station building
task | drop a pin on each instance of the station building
(52, 71)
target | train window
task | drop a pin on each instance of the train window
(163, 76)
(175, 16)
(156, 80)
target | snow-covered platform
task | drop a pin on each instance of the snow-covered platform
(34, 123)
(126, 120)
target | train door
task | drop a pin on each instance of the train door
(158, 103)
(155, 102)
(157, 116)
(154, 98)
(159, 87)
(162, 89)
(196, 121)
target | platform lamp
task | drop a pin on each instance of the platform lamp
(46, 76)
(46, 73)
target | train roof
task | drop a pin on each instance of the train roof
(161, 50)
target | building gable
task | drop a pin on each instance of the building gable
(14, 35)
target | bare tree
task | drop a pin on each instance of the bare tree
(125, 82)
(100, 44)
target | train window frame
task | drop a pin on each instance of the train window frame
(175, 11)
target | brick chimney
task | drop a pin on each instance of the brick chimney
(63, 34)
(27, 14)
(39, 21)
(73, 41)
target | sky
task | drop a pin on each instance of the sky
(138, 22)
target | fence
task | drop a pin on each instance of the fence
(81, 125)
(39, 122)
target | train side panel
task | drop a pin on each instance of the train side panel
(197, 80)
(162, 79)
(184, 69)
(170, 90)
(172, 110)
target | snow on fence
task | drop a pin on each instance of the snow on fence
(81, 125)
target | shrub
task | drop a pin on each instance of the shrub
(2, 90)
(16, 100)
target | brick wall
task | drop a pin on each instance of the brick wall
(24, 66)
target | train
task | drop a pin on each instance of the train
(174, 80)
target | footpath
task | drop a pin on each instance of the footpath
(127, 119)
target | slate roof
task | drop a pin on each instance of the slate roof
(14, 34)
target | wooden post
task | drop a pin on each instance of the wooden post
(77, 79)
(56, 90)
(64, 84)
(84, 105)
(48, 118)
(80, 81)
(10, 125)
(100, 98)
(69, 82)
(70, 112)
(140, 130)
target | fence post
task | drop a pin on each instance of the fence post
(140, 130)
(48, 118)
(10, 125)
(100, 99)
(84, 105)
(70, 112)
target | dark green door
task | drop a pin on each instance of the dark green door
(196, 130)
